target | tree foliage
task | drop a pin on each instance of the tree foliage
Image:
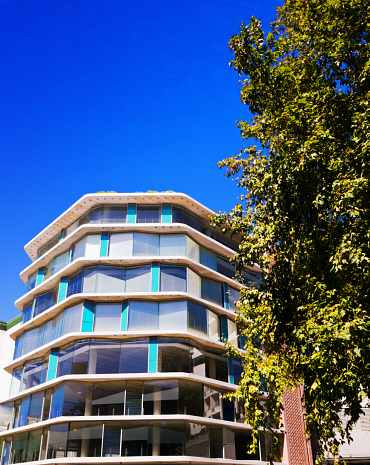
(305, 216)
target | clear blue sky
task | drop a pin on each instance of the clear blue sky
(113, 95)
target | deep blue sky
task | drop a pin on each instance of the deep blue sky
(113, 95)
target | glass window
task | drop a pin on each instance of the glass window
(180, 215)
(173, 278)
(138, 279)
(197, 440)
(146, 244)
(104, 357)
(234, 296)
(72, 319)
(226, 267)
(57, 327)
(27, 312)
(173, 356)
(108, 398)
(23, 412)
(30, 340)
(78, 250)
(45, 301)
(143, 316)
(96, 215)
(121, 245)
(134, 357)
(57, 441)
(18, 347)
(35, 408)
(89, 280)
(237, 370)
(134, 391)
(173, 437)
(33, 445)
(161, 398)
(197, 318)
(34, 373)
(60, 262)
(32, 281)
(114, 214)
(110, 279)
(173, 315)
(75, 395)
(92, 246)
(112, 440)
(19, 448)
(6, 452)
(57, 400)
(212, 291)
(208, 258)
(148, 214)
(108, 317)
(16, 381)
(87, 436)
(134, 439)
(74, 285)
(172, 245)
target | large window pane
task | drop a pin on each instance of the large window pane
(72, 319)
(92, 246)
(44, 301)
(114, 214)
(112, 440)
(107, 317)
(75, 395)
(148, 214)
(172, 245)
(65, 361)
(23, 412)
(134, 357)
(208, 258)
(57, 444)
(226, 267)
(79, 249)
(19, 448)
(16, 381)
(33, 445)
(143, 316)
(75, 285)
(173, 315)
(18, 348)
(90, 276)
(212, 291)
(161, 397)
(56, 409)
(104, 357)
(172, 437)
(110, 279)
(134, 391)
(173, 356)
(27, 312)
(60, 262)
(84, 439)
(138, 279)
(121, 245)
(34, 373)
(30, 339)
(173, 278)
(197, 440)
(34, 413)
(135, 439)
(146, 244)
(108, 398)
(197, 318)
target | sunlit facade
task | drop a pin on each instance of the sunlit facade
(119, 356)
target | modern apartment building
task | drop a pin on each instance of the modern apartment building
(119, 356)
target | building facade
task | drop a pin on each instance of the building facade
(119, 356)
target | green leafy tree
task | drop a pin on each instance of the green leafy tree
(305, 217)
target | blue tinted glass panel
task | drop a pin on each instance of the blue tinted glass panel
(43, 302)
(104, 357)
(18, 347)
(75, 285)
(23, 412)
(34, 413)
(34, 374)
(142, 316)
(148, 214)
(197, 318)
(65, 361)
(27, 313)
(134, 357)
(212, 291)
(56, 409)
(173, 278)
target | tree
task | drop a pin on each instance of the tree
(305, 216)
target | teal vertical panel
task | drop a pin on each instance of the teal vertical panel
(62, 293)
(53, 363)
(224, 329)
(87, 318)
(104, 245)
(40, 276)
(153, 355)
(226, 297)
(69, 256)
(231, 371)
(166, 213)
(131, 214)
(155, 278)
(61, 235)
(124, 316)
